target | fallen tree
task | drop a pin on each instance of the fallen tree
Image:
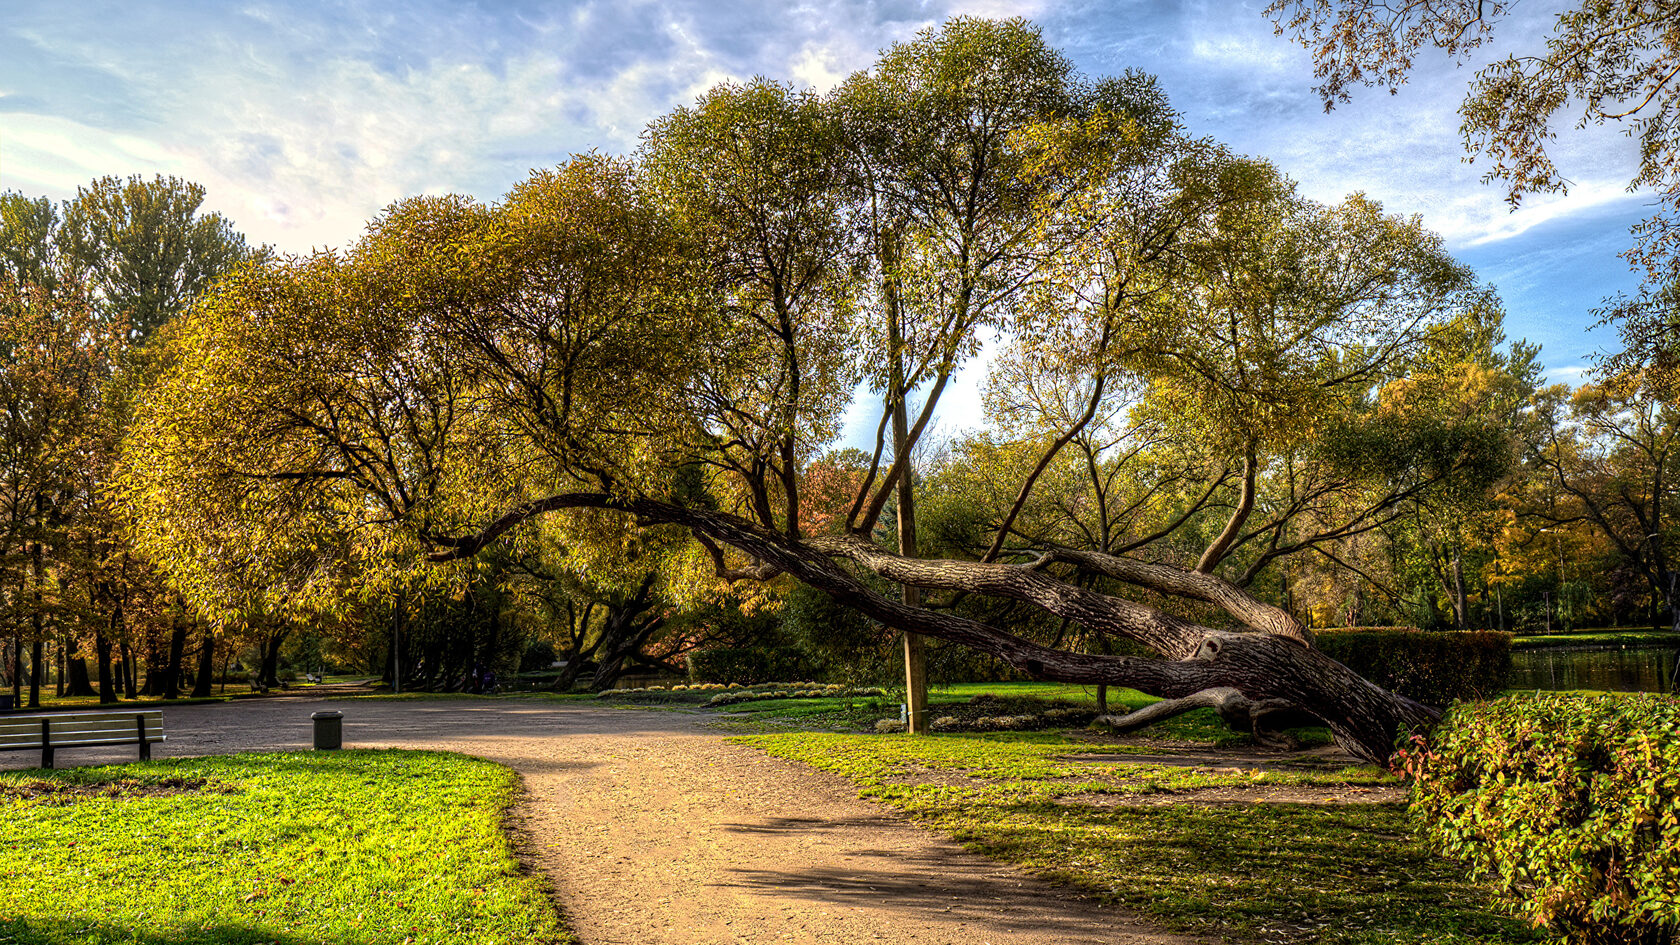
(1245, 675)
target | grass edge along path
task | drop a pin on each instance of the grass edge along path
(359, 846)
(1260, 872)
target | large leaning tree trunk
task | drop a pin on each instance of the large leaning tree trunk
(628, 627)
(1268, 666)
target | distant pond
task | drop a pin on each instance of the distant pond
(1623, 669)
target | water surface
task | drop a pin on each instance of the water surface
(1615, 669)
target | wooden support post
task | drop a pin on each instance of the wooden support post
(145, 746)
(46, 743)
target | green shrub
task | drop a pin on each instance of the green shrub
(1569, 804)
(745, 665)
(1434, 668)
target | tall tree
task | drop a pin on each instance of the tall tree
(1612, 455)
(964, 140)
(30, 253)
(145, 246)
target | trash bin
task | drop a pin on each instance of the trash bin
(329, 730)
(5, 702)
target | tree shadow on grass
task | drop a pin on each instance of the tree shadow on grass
(38, 931)
(1288, 872)
(994, 900)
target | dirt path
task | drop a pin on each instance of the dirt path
(656, 830)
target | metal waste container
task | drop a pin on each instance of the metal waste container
(5, 702)
(329, 730)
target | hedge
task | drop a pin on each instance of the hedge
(1569, 804)
(1434, 668)
(745, 665)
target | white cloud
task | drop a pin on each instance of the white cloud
(303, 120)
(303, 123)
(1246, 52)
(46, 153)
(1574, 374)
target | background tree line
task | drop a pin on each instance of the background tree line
(1312, 406)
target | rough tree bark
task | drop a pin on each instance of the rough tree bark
(204, 682)
(1271, 663)
(177, 648)
(270, 672)
(37, 662)
(627, 629)
(17, 670)
(78, 681)
(107, 682)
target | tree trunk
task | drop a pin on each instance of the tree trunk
(915, 650)
(492, 640)
(578, 625)
(37, 620)
(1461, 601)
(388, 676)
(270, 674)
(37, 659)
(1671, 597)
(177, 649)
(17, 671)
(130, 671)
(102, 657)
(79, 682)
(627, 629)
(154, 667)
(569, 675)
(204, 683)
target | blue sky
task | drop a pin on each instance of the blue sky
(304, 119)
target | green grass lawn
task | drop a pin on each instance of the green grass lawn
(1594, 637)
(300, 849)
(852, 713)
(49, 701)
(1271, 872)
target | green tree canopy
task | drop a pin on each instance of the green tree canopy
(147, 250)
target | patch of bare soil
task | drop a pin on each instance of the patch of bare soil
(1258, 794)
(60, 792)
(1226, 761)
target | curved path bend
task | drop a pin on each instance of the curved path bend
(655, 830)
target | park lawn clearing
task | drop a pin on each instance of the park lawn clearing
(1135, 834)
(1604, 638)
(295, 848)
(855, 713)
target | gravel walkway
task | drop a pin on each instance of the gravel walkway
(657, 831)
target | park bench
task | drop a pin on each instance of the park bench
(51, 733)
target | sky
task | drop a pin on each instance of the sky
(304, 119)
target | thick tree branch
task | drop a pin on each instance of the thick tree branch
(1194, 585)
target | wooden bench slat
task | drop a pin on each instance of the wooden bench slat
(86, 727)
(118, 713)
(36, 745)
(96, 736)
